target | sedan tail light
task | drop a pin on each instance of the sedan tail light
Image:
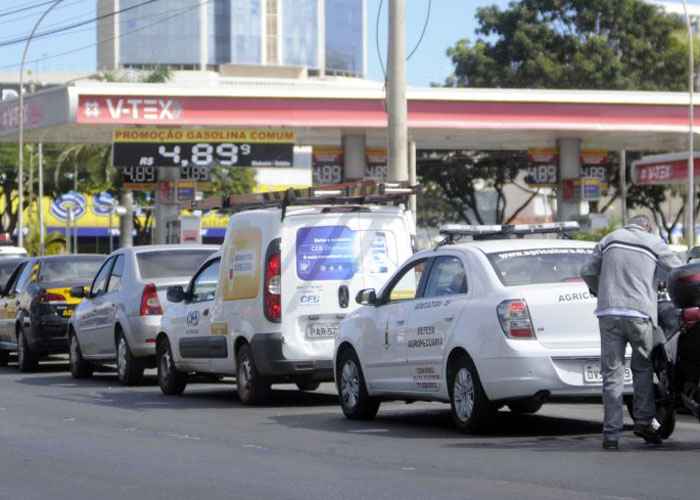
(150, 304)
(515, 320)
(272, 287)
(46, 297)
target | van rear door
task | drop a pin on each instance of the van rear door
(326, 259)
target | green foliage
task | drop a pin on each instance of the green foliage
(54, 242)
(595, 235)
(228, 181)
(573, 44)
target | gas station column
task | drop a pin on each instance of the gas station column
(568, 204)
(355, 156)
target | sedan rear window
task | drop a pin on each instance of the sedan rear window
(170, 263)
(539, 265)
(77, 269)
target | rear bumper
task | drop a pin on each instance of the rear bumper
(270, 361)
(49, 334)
(141, 335)
(520, 377)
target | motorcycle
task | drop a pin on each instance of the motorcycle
(676, 355)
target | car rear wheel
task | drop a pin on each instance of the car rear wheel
(129, 369)
(172, 381)
(470, 406)
(4, 357)
(27, 360)
(355, 401)
(79, 368)
(251, 386)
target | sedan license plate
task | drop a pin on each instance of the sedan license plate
(593, 375)
(321, 330)
(67, 313)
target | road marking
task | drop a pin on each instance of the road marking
(368, 431)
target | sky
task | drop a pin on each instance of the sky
(450, 20)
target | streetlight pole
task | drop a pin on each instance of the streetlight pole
(691, 133)
(396, 93)
(20, 174)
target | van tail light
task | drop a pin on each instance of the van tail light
(515, 320)
(272, 289)
(150, 304)
(47, 297)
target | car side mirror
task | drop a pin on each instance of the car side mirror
(78, 292)
(176, 294)
(693, 254)
(366, 297)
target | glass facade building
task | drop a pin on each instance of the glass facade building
(325, 36)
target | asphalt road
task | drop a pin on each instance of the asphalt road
(62, 439)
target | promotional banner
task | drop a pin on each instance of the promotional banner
(180, 148)
(664, 169)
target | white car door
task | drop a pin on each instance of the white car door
(197, 346)
(432, 322)
(384, 341)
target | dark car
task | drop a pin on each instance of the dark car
(37, 304)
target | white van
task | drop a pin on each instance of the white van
(286, 278)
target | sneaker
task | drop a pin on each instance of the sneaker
(648, 433)
(610, 444)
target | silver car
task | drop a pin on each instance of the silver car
(119, 318)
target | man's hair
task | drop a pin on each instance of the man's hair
(642, 221)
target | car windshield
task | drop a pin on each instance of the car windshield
(79, 269)
(171, 263)
(539, 265)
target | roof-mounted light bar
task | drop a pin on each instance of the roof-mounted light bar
(453, 232)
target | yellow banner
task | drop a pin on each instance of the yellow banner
(185, 135)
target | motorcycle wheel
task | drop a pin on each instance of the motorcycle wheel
(665, 414)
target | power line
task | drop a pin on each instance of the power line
(44, 34)
(376, 32)
(28, 16)
(425, 28)
(19, 10)
(85, 47)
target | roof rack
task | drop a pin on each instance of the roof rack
(454, 232)
(349, 193)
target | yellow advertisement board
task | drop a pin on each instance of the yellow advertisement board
(242, 265)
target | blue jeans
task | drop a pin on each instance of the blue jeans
(615, 333)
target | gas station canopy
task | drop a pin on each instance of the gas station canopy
(322, 112)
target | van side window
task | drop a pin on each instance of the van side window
(447, 277)
(204, 284)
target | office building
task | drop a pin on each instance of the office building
(322, 36)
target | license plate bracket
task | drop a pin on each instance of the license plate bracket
(593, 375)
(316, 331)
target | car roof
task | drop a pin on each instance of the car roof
(508, 245)
(69, 257)
(166, 248)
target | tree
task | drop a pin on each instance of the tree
(458, 176)
(574, 44)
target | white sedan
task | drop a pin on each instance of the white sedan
(480, 324)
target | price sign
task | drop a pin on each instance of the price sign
(327, 165)
(141, 178)
(542, 174)
(182, 148)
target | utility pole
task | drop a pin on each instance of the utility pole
(40, 205)
(396, 93)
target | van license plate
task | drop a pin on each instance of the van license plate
(592, 374)
(322, 330)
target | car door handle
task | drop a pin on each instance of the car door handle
(449, 318)
(400, 322)
(205, 312)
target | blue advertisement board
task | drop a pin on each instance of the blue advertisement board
(326, 253)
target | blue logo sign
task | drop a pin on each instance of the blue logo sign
(67, 203)
(103, 204)
(326, 253)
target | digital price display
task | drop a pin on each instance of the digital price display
(204, 148)
(145, 178)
